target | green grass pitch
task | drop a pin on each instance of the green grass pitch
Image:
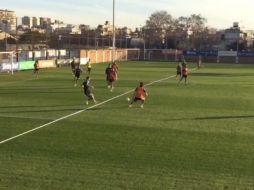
(199, 136)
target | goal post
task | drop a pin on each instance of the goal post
(133, 54)
(7, 61)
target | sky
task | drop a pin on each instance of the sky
(220, 14)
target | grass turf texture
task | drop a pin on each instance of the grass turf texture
(198, 136)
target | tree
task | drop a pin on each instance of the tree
(33, 37)
(157, 27)
(196, 27)
(191, 31)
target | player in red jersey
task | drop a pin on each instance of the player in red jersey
(185, 73)
(140, 94)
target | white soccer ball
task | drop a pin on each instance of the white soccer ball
(128, 99)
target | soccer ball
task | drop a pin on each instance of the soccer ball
(128, 99)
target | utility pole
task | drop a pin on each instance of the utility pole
(114, 34)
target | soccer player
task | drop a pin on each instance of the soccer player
(88, 91)
(199, 62)
(89, 66)
(139, 95)
(73, 66)
(115, 68)
(111, 78)
(36, 67)
(107, 72)
(184, 74)
(77, 73)
(179, 70)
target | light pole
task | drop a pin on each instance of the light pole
(5, 36)
(114, 34)
(5, 29)
(144, 42)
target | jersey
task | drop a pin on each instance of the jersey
(36, 66)
(112, 75)
(115, 67)
(178, 69)
(86, 87)
(140, 93)
(78, 71)
(73, 65)
(107, 72)
(89, 65)
(185, 71)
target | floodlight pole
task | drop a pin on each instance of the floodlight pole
(12, 62)
(114, 34)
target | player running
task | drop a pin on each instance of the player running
(139, 95)
(73, 66)
(111, 78)
(115, 68)
(199, 62)
(88, 91)
(89, 66)
(77, 73)
(179, 70)
(107, 73)
(36, 68)
(184, 74)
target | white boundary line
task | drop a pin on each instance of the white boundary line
(80, 111)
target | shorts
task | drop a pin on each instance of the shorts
(185, 76)
(88, 94)
(178, 73)
(138, 99)
(77, 76)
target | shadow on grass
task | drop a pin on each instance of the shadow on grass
(36, 106)
(222, 74)
(41, 110)
(224, 117)
(31, 88)
(213, 118)
(36, 92)
(50, 110)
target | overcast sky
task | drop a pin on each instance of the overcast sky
(133, 13)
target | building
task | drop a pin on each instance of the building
(30, 21)
(35, 21)
(57, 27)
(8, 21)
(27, 21)
(249, 37)
(45, 22)
(231, 36)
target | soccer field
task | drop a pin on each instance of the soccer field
(199, 136)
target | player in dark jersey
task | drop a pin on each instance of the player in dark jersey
(179, 70)
(111, 78)
(73, 66)
(77, 73)
(36, 68)
(88, 91)
(89, 66)
(139, 95)
(107, 73)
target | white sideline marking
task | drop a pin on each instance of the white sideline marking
(78, 112)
